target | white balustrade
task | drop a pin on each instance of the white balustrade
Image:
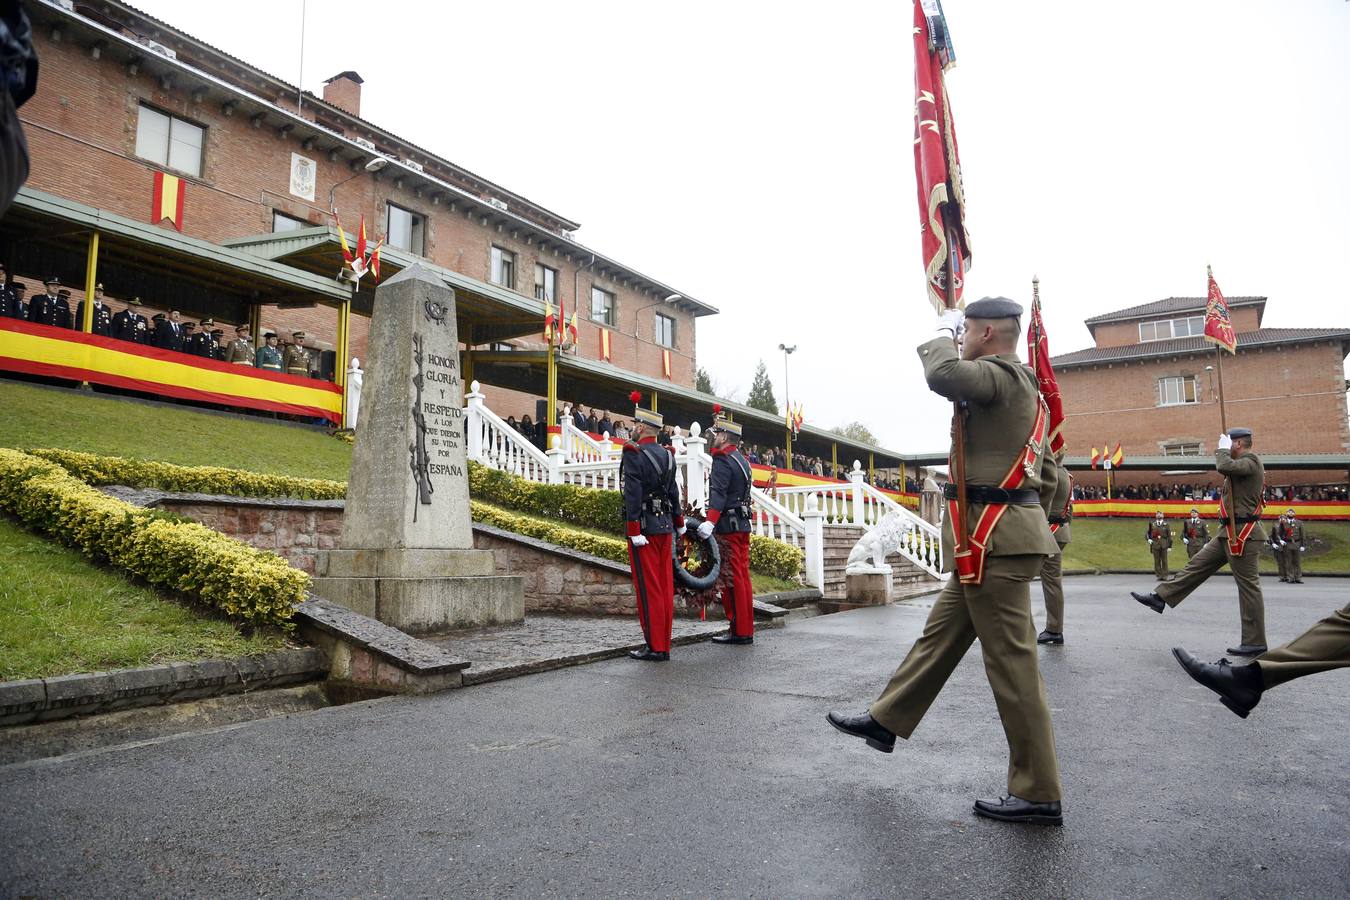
(579, 446)
(494, 443)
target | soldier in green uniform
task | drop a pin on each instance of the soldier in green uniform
(1294, 542)
(269, 357)
(1277, 549)
(1245, 478)
(1007, 471)
(298, 360)
(1159, 537)
(1194, 534)
(1052, 570)
(240, 351)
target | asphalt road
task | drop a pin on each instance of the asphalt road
(716, 775)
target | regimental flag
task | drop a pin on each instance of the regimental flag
(665, 363)
(1097, 457)
(550, 322)
(1038, 357)
(794, 419)
(937, 165)
(1218, 324)
(166, 201)
(604, 344)
(1117, 457)
(361, 261)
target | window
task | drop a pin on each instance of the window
(1181, 449)
(602, 306)
(545, 283)
(406, 230)
(665, 330)
(503, 267)
(1177, 389)
(1166, 329)
(170, 141)
(282, 222)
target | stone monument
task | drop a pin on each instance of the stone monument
(407, 554)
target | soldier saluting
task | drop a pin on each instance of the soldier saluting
(652, 516)
(729, 485)
(1240, 549)
(1008, 478)
(1159, 537)
(1194, 534)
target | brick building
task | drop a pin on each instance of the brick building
(1151, 383)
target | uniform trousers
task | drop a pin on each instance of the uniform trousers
(1281, 561)
(1251, 605)
(998, 612)
(1052, 587)
(1160, 562)
(1293, 562)
(1323, 647)
(653, 569)
(1194, 547)
(739, 598)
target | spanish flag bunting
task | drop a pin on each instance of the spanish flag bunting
(361, 240)
(572, 326)
(342, 239)
(167, 202)
(665, 363)
(604, 344)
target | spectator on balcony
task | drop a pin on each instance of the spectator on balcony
(269, 355)
(527, 427)
(169, 331)
(42, 309)
(511, 421)
(64, 319)
(606, 425)
(592, 423)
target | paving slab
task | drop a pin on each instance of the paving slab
(715, 775)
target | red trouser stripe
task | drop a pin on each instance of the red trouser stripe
(740, 606)
(653, 571)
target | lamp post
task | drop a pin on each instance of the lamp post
(787, 398)
(372, 165)
(670, 299)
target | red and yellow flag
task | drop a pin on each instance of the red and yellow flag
(665, 363)
(604, 344)
(1117, 457)
(1096, 457)
(550, 320)
(1218, 325)
(1038, 358)
(167, 200)
(572, 327)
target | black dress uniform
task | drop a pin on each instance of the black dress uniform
(729, 485)
(63, 316)
(130, 325)
(42, 309)
(168, 335)
(10, 305)
(102, 318)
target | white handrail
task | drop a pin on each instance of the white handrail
(578, 446)
(922, 542)
(494, 443)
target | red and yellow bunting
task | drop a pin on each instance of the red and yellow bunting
(61, 353)
(167, 200)
(1209, 509)
(665, 363)
(604, 344)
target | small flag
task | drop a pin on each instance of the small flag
(342, 239)
(572, 327)
(665, 363)
(604, 344)
(1218, 325)
(550, 319)
(1038, 356)
(1118, 457)
(1096, 457)
(167, 200)
(375, 259)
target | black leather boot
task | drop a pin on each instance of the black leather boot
(730, 638)
(865, 727)
(1239, 687)
(1015, 809)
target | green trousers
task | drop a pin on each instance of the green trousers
(998, 612)
(1323, 647)
(1293, 562)
(1160, 562)
(1281, 561)
(1193, 548)
(1251, 605)
(1052, 587)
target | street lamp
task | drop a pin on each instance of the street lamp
(373, 165)
(636, 328)
(787, 396)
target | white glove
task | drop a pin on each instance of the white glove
(1185, 540)
(705, 530)
(1225, 442)
(951, 320)
(1302, 549)
(1148, 541)
(639, 540)
(683, 529)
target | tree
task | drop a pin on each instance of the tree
(703, 382)
(761, 391)
(856, 431)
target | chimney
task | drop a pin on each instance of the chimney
(343, 90)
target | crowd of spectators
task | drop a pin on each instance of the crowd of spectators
(1191, 492)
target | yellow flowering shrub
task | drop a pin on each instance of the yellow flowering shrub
(96, 470)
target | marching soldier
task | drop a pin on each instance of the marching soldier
(652, 516)
(298, 360)
(18, 291)
(1323, 647)
(1295, 543)
(1194, 534)
(218, 347)
(269, 357)
(43, 308)
(102, 315)
(1277, 549)
(1159, 537)
(1242, 488)
(130, 324)
(988, 596)
(169, 331)
(1052, 570)
(241, 351)
(729, 485)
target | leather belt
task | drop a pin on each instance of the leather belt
(984, 493)
(1246, 520)
(1057, 520)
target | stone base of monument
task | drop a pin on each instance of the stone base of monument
(421, 591)
(868, 586)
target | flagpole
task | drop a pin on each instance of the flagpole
(961, 533)
(1223, 420)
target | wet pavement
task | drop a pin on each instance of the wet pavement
(715, 775)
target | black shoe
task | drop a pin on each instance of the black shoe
(1282, 578)
(647, 654)
(1015, 809)
(1050, 637)
(865, 727)
(1248, 649)
(734, 639)
(1239, 687)
(1151, 600)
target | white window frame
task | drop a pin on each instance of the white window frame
(502, 267)
(543, 290)
(1182, 448)
(609, 307)
(278, 215)
(417, 230)
(1186, 326)
(656, 331)
(168, 141)
(1172, 390)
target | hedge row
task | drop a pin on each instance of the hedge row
(258, 587)
(96, 470)
(615, 549)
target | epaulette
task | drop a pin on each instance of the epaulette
(629, 445)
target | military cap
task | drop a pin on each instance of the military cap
(188, 326)
(297, 334)
(993, 308)
(134, 301)
(52, 280)
(1237, 433)
(206, 323)
(242, 327)
(643, 415)
(157, 317)
(1195, 511)
(19, 286)
(217, 330)
(64, 292)
(270, 334)
(99, 286)
(722, 422)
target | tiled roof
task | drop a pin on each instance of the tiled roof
(1170, 306)
(1263, 337)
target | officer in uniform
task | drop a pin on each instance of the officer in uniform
(63, 317)
(240, 351)
(652, 516)
(102, 315)
(8, 300)
(1245, 478)
(189, 341)
(1194, 534)
(1010, 483)
(1159, 537)
(130, 324)
(156, 329)
(19, 309)
(1295, 542)
(198, 343)
(297, 359)
(43, 308)
(218, 344)
(1052, 570)
(729, 485)
(1323, 647)
(269, 357)
(1277, 549)
(169, 332)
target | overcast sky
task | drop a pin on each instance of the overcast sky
(759, 156)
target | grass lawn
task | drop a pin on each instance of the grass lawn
(61, 614)
(1119, 544)
(96, 423)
